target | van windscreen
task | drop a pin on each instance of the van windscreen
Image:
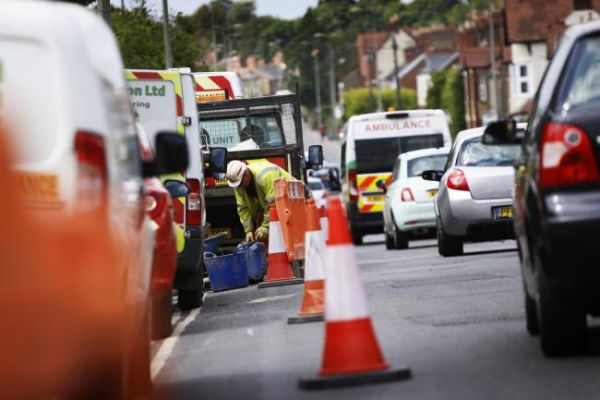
(379, 155)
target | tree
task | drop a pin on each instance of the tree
(356, 101)
(453, 100)
(434, 93)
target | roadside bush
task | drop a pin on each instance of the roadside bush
(359, 101)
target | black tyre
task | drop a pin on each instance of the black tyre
(531, 316)
(448, 245)
(162, 312)
(562, 323)
(139, 382)
(188, 299)
(357, 237)
(401, 239)
(390, 243)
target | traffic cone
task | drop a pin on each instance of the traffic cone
(324, 223)
(313, 301)
(352, 355)
(279, 270)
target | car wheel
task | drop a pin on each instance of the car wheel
(188, 299)
(139, 383)
(562, 323)
(533, 326)
(357, 237)
(389, 241)
(448, 245)
(401, 239)
(162, 313)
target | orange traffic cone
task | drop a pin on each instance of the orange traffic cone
(351, 355)
(279, 270)
(313, 302)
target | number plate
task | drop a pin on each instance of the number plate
(502, 212)
(431, 193)
(374, 199)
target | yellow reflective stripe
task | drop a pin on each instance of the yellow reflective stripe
(129, 75)
(247, 224)
(265, 171)
(270, 199)
(241, 207)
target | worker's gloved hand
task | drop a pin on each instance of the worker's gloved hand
(261, 234)
(249, 237)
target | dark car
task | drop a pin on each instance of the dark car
(557, 194)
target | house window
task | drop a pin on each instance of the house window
(522, 79)
(582, 4)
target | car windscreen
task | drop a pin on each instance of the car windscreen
(473, 153)
(313, 185)
(581, 81)
(264, 129)
(379, 155)
(416, 166)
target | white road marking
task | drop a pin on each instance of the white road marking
(166, 347)
(271, 298)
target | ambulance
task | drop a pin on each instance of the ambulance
(372, 144)
(164, 101)
(217, 86)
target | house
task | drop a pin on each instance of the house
(434, 62)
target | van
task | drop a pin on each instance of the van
(217, 86)
(164, 100)
(372, 145)
(64, 103)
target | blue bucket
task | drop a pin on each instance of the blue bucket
(226, 272)
(255, 259)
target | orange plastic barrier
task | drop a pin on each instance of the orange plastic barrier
(290, 203)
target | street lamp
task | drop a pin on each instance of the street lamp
(315, 55)
(332, 92)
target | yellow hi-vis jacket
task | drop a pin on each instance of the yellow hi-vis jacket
(250, 208)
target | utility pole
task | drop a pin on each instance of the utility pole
(396, 78)
(104, 10)
(332, 90)
(167, 35)
(315, 54)
(379, 102)
(494, 94)
(122, 5)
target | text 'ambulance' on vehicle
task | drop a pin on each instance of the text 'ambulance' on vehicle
(373, 143)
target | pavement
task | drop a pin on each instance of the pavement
(458, 323)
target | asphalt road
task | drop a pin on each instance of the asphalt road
(458, 323)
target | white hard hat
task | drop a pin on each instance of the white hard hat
(235, 172)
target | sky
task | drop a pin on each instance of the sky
(286, 9)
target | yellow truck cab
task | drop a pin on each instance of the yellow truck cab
(372, 145)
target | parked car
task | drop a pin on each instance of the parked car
(474, 200)
(76, 153)
(557, 194)
(318, 191)
(408, 205)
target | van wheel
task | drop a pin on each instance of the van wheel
(562, 322)
(533, 326)
(162, 313)
(448, 245)
(357, 237)
(188, 299)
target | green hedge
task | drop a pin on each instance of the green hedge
(359, 101)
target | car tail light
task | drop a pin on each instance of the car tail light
(457, 180)
(407, 195)
(353, 185)
(92, 171)
(193, 214)
(566, 156)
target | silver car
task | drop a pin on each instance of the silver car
(474, 201)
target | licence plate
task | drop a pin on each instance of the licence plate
(374, 199)
(431, 193)
(221, 182)
(502, 212)
(214, 231)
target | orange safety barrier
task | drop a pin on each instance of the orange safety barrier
(290, 203)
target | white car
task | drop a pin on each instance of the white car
(318, 191)
(408, 207)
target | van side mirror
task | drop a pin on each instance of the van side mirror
(315, 157)
(502, 132)
(382, 184)
(218, 162)
(432, 175)
(176, 188)
(171, 155)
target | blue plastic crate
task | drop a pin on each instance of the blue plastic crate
(211, 243)
(256, 260)
(228, 271)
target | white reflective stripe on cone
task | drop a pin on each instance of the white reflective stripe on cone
(345, 297)
(276, 244)
(324, 227)
(314, 256)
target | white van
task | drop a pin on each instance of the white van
(372, 145)
(164, 100)
(63, 99)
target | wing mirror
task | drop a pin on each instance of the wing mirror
(432, 175)
(177, 188)
(218, 162)
(171, 155)
(502, 132)
(315, 157)
(382, 184)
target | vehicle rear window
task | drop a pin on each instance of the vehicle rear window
(581, 82)
(265, 129)
(379, 155)
(416, 166)
(473, 153)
